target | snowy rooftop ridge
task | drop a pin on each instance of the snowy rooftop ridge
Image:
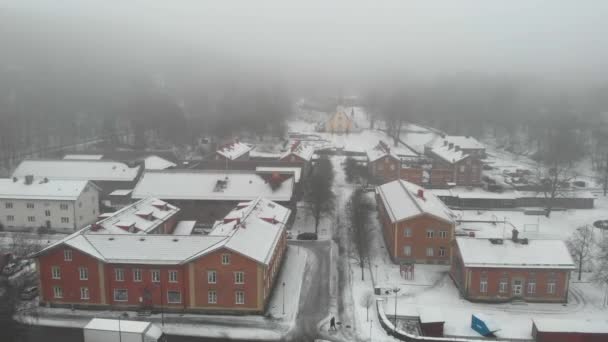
(155, 162)
(41, 189)
(234, 150)
(93, 170)
(140, 217)
(83, 156)
(301, 150)
(508, 253)
(404, 200)
(379, 151)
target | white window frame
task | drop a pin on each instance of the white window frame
(551, 287)
(225, 259)
(120, 290)
(430, 251)
(174, 302)
(30, 205)
(8, 205)
(47, 212)
(84, 293)
(503, 286)
(443, 234)
(239, 297)
(63, 206)
(211, 277)
(83, 273)
(430, 233)
(119, 274)
(65, 219)
(67, 255)
(137, 275)
(407, 250)
(173, 276)
(483, 285)
(57, 292)
(55, 272)
(155, 276)
(10, 218)
(531, 287)
(239, 277)
(443, 251)
(31, 219)
(211, 297)
(407, 232)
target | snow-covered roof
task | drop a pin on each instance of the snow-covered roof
(184, 227)
(121, 192)
(402, 201)
(595, 325)
(430, 315)
(255, 235)
(449, 148)
(234, 150)
(449, 154)
(215, 185)
(297, 171)
(143, 216)
(301, 150)
(157, 163)
(113, 325)
(550, 254)
(93, 170)
(41, 189)
(83, 156)
(466, 142)
(379, 151)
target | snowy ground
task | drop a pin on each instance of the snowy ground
(249, 327)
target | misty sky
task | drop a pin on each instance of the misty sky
(335, 39)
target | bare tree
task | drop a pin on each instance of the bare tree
(553, 183)
(367, 301)
(359, 207)
(318, 193)
(600, 276)
(581, 245)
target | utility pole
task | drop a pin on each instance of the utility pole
(396, 290)
(283, 298)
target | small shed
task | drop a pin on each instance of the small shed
(484, 325)
(570, 330)
(431, 321)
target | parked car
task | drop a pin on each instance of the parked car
(29, 293)
(307, 236)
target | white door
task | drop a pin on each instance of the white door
(517, 287)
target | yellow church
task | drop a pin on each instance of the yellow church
(342, 121)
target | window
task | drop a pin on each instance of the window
(443, 234)
(442, 251)
(8, 205)
(430, 233)
(55, 272)
(173, 276)
(531, 286)
(47, 213)
(30, 205)
(392, 167)
(211, 277)
(461, 168)
(155, 274)
(79, 204)
(212, 297)
(84, 273)
(65, 220)
(119, 274)
(225, 259)
(57, 292)
(239, 277)
(63, 206)
(10, 218)
(407, 250)
(136, 274)
(121, 295)
(84, 293)
(407, 232)
(174, 297)
(483, 286)
(430, 251)
(551, 287)
(239, 297)
(502, 286)
(31, 219)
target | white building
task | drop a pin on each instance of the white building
(28, 203)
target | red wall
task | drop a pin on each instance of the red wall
(70, 277)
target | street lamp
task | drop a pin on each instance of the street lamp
(283, 298)
(396, 290)
(376, 273)
(370, 329)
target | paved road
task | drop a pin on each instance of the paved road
(314, 297)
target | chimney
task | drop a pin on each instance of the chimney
(515, 237)
(456, 148)
(421, 193)
(29, 179)
(450, 146)
(14, 179)
(445, 143)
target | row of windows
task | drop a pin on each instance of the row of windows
(29, 205)
(503, 286)
(11, 218)
(430, 251)
(430, 233)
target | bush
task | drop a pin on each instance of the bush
(307, 236)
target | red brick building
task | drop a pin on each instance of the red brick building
(416, 225)
(384, 165)
(300, 154)
(570, 330)
(231, 270)
(453, 164)
(500, 270)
